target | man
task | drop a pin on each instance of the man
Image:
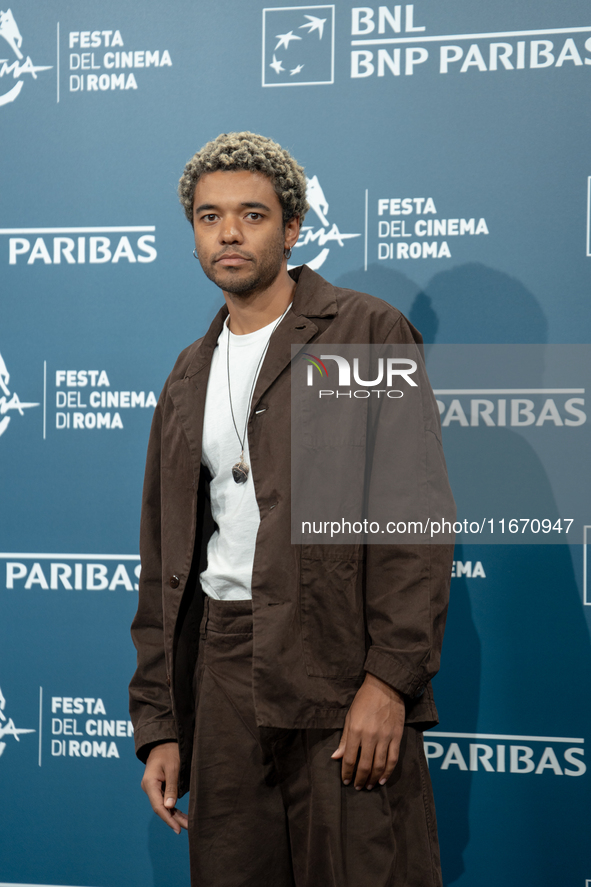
(300, 738)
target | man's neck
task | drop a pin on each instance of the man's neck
(251, 312)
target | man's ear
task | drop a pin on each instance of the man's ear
(292, 231)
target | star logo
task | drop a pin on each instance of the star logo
(277, 66)
(314, 24)
(305, 38)
(284, 39)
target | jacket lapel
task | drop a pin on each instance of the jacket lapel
(188, 394)
(313, 297)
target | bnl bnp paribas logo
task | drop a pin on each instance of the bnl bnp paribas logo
(298, 45)
(10, 403)
(17, 65)
(388, 41)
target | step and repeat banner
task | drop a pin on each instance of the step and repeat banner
(446, 147)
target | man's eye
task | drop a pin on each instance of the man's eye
(254, 215)
(209, 217)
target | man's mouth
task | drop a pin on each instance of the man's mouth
(231, 260)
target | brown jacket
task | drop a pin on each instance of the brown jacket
(323, 614)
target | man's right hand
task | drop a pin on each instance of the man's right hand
(160, 783)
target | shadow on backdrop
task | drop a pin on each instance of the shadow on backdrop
(531, 625)
(474, 304)
(169, 854)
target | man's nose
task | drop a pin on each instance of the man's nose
(230, 231)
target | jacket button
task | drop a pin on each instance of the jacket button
(174, 581)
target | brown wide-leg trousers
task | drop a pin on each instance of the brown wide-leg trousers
(268, 807)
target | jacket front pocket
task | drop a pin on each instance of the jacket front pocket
(332, 614)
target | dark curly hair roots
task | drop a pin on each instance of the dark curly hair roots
(248, 151)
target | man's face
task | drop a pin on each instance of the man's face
(239, 231)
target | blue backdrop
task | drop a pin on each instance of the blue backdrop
(446, 145)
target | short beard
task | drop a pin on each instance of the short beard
(264, 270)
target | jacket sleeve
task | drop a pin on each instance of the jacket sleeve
(149, 690)
(407, 584)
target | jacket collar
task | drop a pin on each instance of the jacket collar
(314, 296)
(205, 349)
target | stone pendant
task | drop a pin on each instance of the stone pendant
(240, 472)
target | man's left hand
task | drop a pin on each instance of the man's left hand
(373, 730)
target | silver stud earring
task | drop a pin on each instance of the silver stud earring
(287, 253)
(195, 253)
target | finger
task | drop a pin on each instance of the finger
(171, 791)
(350, 754)
(162, 793)
(171, 788)
(380, 757)
(181, 818)
(365, 763)
(153, 789)
(170, 819)
(391, 761)
(339, 752)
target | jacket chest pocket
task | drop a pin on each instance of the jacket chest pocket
(332, 611)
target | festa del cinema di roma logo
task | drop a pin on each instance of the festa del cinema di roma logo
(98, 737)
(14, 66)
(9, 402)
(7, 726)
(325, 234)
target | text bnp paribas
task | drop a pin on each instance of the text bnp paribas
(394, 41)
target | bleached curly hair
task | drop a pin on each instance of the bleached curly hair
(248, 151)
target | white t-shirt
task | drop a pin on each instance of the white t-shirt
(230, 552)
